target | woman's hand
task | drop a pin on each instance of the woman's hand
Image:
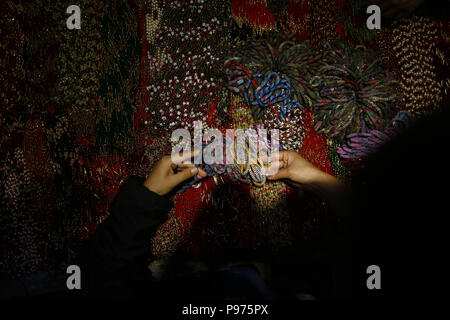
(300, 172)
(166, 174)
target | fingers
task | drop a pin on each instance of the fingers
(281, 174)
(281, 161)
(183, 175)
(288, 157)
(183, 157)
(274, 157)
(274, 167)
(201, 173)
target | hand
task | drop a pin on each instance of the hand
(396, 8)
(300, 172)
(166, 174)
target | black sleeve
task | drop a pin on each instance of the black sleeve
(119, 248)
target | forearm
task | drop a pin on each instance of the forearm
(121, 242)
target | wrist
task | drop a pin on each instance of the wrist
(151, 187)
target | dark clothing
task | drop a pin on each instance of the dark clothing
(403, 213)
(114, 263)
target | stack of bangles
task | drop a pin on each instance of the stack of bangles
(252, 170)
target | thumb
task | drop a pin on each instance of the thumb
(280, 174)
(183, 175)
